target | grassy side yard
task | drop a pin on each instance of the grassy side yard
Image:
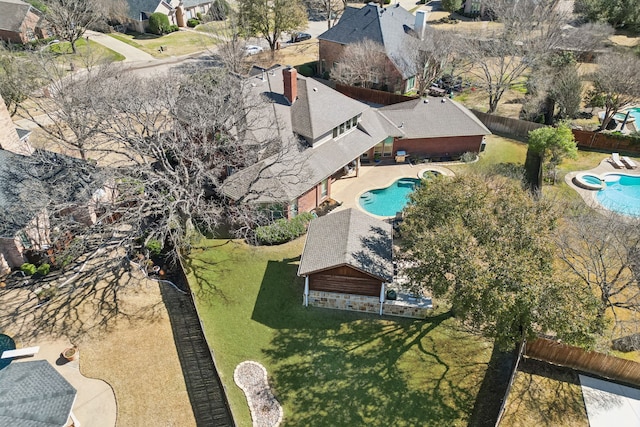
(173, 44)
(90, 50)
(330, 367)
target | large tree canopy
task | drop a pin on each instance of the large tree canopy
(483, 244)
(270, 18)
(548, 146)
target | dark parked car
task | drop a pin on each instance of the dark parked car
(298, 37)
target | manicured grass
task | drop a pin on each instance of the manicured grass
(173, 44)
(95, 51)
(330, 367)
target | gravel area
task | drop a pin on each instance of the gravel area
(251, 377)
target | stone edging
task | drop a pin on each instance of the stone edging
(265, 409)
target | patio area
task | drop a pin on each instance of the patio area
(348, 190)
(95, 402)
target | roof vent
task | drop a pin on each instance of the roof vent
(315, 89)
(426, 101)
(443, 100)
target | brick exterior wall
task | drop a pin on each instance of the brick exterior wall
(331, 52)
(439, 147)
(29, 24)
(312, 198)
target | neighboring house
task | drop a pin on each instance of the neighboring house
(29, 180)
(324, 134)
(347, 253)
(474, 8)
(393, 27)
(434, 128)
(20, 22)
(178, 11)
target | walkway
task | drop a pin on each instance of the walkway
(130, 53)
(206, 392)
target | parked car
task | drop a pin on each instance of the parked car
(298, 37)
(252, 49)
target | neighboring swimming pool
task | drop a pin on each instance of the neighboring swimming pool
(620, 194)
(635, 113)
(6, 343)
(390, 200)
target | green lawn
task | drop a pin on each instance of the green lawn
(91, 50)
(173, 44)
(330, 367)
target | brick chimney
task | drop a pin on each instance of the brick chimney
(9, 139)
(290, 76)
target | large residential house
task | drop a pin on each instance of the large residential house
(20, 22)
(29, 181)
(178, 11)
(393, 27)
(327, 135)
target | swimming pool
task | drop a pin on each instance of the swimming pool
(635, 113)
(390, 200)
(621, 194)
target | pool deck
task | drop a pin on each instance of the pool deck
(348, 190)
(589, 196)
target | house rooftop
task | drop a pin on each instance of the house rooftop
(299, 164)
(34, 394)
(12, 15)
(349, 237)
(391, 27)
(29, 183)
(432, 118)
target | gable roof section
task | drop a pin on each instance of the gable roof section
(29, 183)
(439, 117)
(139, 7)
(13, 14)
(352, 238)
(34, 394)
(391, 27)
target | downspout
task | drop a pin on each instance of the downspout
(306, 291)
(382, 291)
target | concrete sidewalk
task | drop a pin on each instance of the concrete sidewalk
(130, 53)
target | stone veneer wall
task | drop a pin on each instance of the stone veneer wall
(364, 304)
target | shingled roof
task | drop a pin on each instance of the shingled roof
(297, 166)
(34, 394)
(351, 238)
(391, 27)
(29, 183)
(432, 118)
(13, 14)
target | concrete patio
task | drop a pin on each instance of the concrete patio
(95, 403)
(348, 190)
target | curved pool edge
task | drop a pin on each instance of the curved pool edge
(383, 217)
(581, 182)
(590, 197)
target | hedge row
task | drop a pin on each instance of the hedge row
(283, 230)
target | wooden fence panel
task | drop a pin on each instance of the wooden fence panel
(372, 95)
(599, 364)
(506, 125)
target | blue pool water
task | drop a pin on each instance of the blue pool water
(590, 179)
(6, 343)
(387, 201)
(635, 112)
(621, 194)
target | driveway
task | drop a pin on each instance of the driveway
(610, 404)
(129, 52)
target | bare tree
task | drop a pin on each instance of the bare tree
(270, 18)
(603, 253)
(19, 76)
(616, 83)
(436, 54)
(330, 9)
(530, 30)
(363, 63)
(71, 18)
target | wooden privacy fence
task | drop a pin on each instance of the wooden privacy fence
(587, 361)
(506, 125)
(372, 95)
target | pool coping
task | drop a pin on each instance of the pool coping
(589, 196)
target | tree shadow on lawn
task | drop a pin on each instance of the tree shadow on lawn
(331, 367)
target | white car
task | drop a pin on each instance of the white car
(252, 49)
